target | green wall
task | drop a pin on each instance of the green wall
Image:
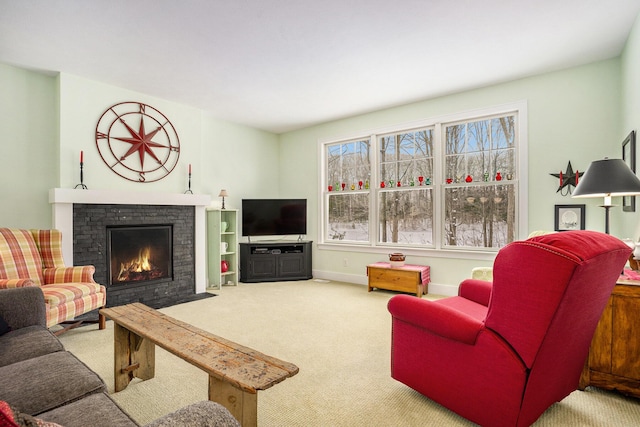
(579, 115)
(573, 115)
(630, 97)
(28, 147)
(46, 121)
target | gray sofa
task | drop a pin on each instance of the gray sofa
(39, 378)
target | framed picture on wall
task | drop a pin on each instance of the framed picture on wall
(569, 217)
(629, 157)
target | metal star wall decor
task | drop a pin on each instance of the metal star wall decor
(567, 179)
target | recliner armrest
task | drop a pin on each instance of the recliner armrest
(476, 290)
(436, 318)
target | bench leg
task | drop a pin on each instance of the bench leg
(242, 405)
(134, 357)
(102, 321)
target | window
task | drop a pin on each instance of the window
(405, 198)
(443, 184)
(348, 171)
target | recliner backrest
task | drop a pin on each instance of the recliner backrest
(561, 277)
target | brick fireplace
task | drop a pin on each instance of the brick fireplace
(88, 217)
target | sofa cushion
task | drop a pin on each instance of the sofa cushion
(46, 382)
(95, 409)
(27, 343)
(205, 413)
(61, 293)
(4, 326)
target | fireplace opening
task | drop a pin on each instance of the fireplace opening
(139, 253)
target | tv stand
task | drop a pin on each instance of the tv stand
(275, 261)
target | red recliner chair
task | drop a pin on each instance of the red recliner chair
(500, 353)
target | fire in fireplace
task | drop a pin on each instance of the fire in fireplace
(139, 253)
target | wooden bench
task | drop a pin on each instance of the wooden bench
(236, 373)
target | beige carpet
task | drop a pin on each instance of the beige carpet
(339, 336)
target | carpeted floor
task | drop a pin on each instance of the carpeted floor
(339, 336)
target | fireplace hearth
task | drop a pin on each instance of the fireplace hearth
(139, 253)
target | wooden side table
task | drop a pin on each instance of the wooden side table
(614, 356)
(408, 278)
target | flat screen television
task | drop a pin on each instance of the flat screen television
(274, 217)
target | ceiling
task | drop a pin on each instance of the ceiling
(281, 65)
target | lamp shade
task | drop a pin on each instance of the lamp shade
(606, 178)
(223, 193)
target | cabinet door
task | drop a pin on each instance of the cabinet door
(262, 266)
(291, 265)
(626, 341)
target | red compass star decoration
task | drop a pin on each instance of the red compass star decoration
(567, 180)
(140, 142)
(117, 141)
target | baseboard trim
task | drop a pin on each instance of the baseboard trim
(434, 288)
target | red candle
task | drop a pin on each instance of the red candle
(81, 156)
(560, 178)
(189, 168)
(577, 175)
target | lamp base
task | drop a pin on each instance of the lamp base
(606, 217)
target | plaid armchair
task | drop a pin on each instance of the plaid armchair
(34, 258)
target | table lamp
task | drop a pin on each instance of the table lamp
(607, 178)
(223, 194)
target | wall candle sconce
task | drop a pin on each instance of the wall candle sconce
(223, 194)
(567, 179)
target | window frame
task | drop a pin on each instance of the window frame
(439, 250)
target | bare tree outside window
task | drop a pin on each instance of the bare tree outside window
(472, 185)
(479, 155)
(348, 185)
(406, 206)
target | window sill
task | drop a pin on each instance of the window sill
(432, 253)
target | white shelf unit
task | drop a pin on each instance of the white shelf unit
(217, 235)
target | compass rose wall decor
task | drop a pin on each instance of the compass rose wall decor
(568, 179)
(137, 142)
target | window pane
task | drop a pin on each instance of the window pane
(348, 217)
(347, 163)
(479, 216)
(405, 157)
(406, 216)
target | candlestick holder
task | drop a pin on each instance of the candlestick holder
(81, 185)
(189, 189)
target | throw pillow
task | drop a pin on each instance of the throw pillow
(11, 417)
(6, 415)
(4, 326)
